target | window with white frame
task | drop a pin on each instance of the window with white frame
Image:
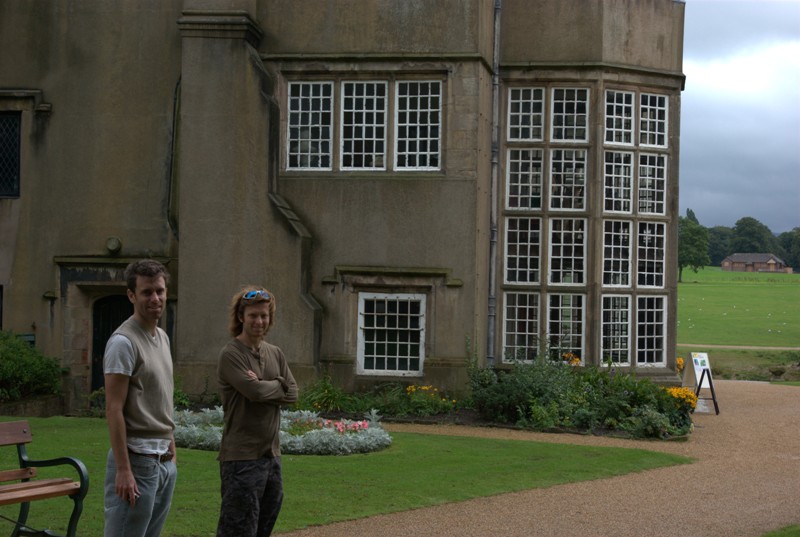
(653, 120)
(618, 182)
(521, 325)
(363, 127)
(526, 114)
(615, 340)
(570, 115)
(391, 334)
(619, 117)
(652, 183)
(568, 179)
(522, 249)
(651, 254)
(616, 253)
(524, 179)
(10, 144)
(651, 330)
(565, 325)
(418, 125)
(366, 132)
(567, 251)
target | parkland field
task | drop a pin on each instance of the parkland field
(758, 311)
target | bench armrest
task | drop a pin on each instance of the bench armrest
(77, 464)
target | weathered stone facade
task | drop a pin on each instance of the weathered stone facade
(162, 128)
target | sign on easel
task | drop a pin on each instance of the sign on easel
(700, 362)
(699, 376)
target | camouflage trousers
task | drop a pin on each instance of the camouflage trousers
(252, 494)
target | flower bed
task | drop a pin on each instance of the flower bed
(302, 433)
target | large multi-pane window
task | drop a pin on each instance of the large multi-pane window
(651, 254)
(568, 179)
(570, 115)
(567, 251)
(616, 253)
(366, 132)
(565, 323)
(549, 214)
(651, 326)
(652, 183)
(521, 325)
(615, 330)
(618, 182)
(524, 179)
(391, 334)
(522, 249)
(10, 154)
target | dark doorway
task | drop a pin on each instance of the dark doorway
(107, 314)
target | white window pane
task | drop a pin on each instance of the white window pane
(418, 125)
(391, 334)
(521, 326)
(310, 125)
(363, 126)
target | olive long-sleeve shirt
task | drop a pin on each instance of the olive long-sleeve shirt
(252, 407)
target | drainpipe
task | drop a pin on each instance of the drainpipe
(493, 195)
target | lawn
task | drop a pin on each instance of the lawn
(416, 471)
(735, 308)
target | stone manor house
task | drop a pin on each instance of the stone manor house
(418, 182)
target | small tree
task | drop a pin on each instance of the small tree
(692, 246)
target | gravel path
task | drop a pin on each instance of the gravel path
(745, 482)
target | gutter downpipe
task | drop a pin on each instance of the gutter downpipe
(493, 193)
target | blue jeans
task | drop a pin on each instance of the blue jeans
(252, 495)
(156, 482)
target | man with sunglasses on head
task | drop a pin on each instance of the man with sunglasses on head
(254, 381)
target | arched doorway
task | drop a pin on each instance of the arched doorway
(107, 314)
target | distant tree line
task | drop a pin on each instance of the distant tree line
(699, 246)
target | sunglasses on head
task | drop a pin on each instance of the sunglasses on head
(250, 295)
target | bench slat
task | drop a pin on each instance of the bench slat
(16, 475)
(15, 432)
(37, 490)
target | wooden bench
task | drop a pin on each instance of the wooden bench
(24, 489)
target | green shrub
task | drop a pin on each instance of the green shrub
(390, 399)
(323, 396)
(24, 371)
(548, 395)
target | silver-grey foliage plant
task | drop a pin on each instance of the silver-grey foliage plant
(203, 430)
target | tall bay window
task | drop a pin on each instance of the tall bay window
(549, 215)
(546, 176)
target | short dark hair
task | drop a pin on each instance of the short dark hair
(149, 268)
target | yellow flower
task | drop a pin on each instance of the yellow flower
(679, 363)
(686, 395)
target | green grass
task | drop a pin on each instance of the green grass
(734, 308)
(418, 470)
(746, 364)
(790, 531)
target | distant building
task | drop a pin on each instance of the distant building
(418, 183)
(754, 263)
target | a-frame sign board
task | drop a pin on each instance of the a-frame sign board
(699, 377)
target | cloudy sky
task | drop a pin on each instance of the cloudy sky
(740, 118)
